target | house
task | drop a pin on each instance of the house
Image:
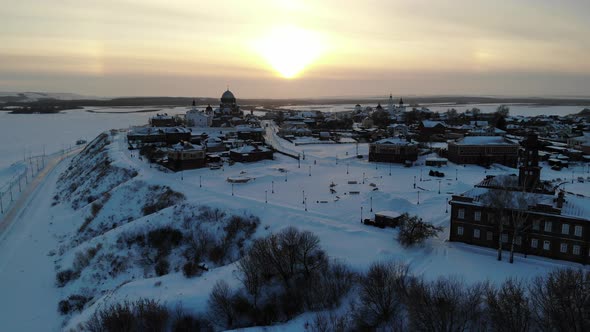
(185, 155)
(483, 150)
(162, 120)
(431, 130)
(250, 153)
(196, 118)
(250, 132)
(162, 135)
(433, 161)
(396, 150)
(523, 210)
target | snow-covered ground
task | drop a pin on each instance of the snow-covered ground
(281, 193)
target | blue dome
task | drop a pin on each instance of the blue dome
(228, 97)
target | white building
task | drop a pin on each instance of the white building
(196, 118)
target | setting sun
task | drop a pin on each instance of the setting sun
(289, 49)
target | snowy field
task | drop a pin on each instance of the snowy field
(28, 134)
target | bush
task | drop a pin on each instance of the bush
(188, 323)
(166, 198)
(162, 267)
(220, 304)
(142, 315)
(65, 276)
(164, 239)
(191, 269)
(74, 302)
(413, 230)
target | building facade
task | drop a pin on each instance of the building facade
(393, 150)
(483, 150)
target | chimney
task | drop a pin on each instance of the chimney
(560, 199)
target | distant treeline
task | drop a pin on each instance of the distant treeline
(50, 105)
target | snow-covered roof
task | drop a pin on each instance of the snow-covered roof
(390, 214)
(432, 124)
(185, 146)
(483, 140)
(574, 206)
(394, 141)
(250, 149)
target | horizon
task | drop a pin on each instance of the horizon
(301, 49)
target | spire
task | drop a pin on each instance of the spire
(194, 103)
(390, 96)
(401, 101)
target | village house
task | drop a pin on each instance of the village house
(483, 150)
(185, 155)
(393, 150)
(250, 153)
(163, 120)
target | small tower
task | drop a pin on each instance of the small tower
(391, 104)
(529, 174)
(194, 108)
(401, 102)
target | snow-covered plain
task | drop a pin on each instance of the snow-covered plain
(281, 193)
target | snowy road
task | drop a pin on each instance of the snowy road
(28, 300)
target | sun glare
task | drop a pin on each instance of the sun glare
(289, 49)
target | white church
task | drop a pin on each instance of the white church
(196, 118)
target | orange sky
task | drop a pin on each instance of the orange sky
(291, 48)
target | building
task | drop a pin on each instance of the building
(250, 153)
(162, 135)
(185, 155)
(393, 150)
(483, 150)
(163, 120)
(503, 210)
(196, 118)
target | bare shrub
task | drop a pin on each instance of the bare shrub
(220, 305)
(413, 230)
(65, 276)
(560, 300)
(209, 214)
(166, 198)
(74, 302)
(141, 315)
(162, 267)
(445, 305)
(508, 307)
(382, 293)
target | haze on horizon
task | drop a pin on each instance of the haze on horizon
(296, 49)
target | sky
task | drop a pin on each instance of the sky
(296, 49)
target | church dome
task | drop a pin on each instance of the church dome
(228, 97)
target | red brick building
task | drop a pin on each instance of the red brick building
(483, 150)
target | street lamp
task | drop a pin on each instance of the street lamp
(420, 174)
(200, 182)
(439, 186)
(371, 199)
(298, 160)
(272, 186)
(418, 197)
(303, 197)
(456, 174)
(414, 181)
(361, 214)
(232, 189)
(390, 169)
(305, 203)
(346, 168)
(285, 176)
(309, 170)
(363, 177)
(446, 205)
(266, 196)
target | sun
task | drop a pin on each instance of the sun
(290, 49)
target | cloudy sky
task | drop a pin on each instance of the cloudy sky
(291, 48)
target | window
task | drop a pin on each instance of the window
(563, 247)
(518, 240)
(578, 231)
(565, 229)
(504, 238)
(461, 214)
(536, 225)
(489, 236)
(491, 218)
(460, 230)
(546, 244)
(534, 243)
(576, 249)
(477, 216)
(476, 233)
(548, 226)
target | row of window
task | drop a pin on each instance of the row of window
(547, 227)
(518, 240)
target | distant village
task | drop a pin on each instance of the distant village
(535, 217)
(397, 133)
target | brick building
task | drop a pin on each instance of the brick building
(393, 150)
(483, 150)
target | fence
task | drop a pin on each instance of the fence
(11, 189)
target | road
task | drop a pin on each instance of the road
(29, 298)
(16, 208)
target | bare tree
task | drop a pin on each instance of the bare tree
(508, 307)
(498, 201)
(220, 304)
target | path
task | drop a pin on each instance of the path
(28, 300)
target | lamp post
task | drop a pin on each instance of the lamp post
(336, 159)
(303, 197)
(418, 197)
(456, 174)
(200, 182)
(266, 196)
(363, 177)
(572, 176)
(414, 181)
(305, 203)
(439, 181)
(390, 169)
(346, 168)
(272, 187)
(361, 214)
(298, 160)
(285, 176)
(371, 199)
(232, 189)
(446, 205)
(309, 170)
(420, 174)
